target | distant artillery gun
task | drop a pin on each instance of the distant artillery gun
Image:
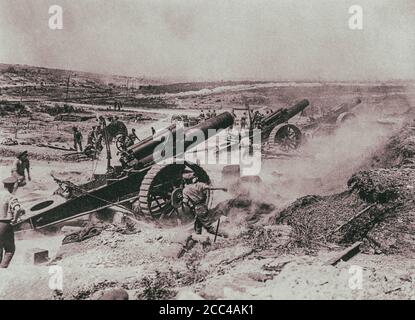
(341, 113)
(335, 117)
(140, 179)
(276, 129)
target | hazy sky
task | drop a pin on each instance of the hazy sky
(214, 39)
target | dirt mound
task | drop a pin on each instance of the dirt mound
(243, 209)
(378, 208)
(399, 151)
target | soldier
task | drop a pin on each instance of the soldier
(243, 121)
(19, 167)
(99, 134)
(92, 135)
(194, 197)
(131, 138)
(10, 212)
(202, 115)
(208, 114)
(101, 122)
(77, 139)
(214, 113)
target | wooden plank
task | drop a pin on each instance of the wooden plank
(352, 218)
(346, 254)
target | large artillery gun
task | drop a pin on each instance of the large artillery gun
(141, 176)
(273, 128)
(276, 129)
(333, 118)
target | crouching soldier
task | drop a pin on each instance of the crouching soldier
(10, 212)
(195, 197)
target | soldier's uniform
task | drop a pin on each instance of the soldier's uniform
(20, 165)
(195, 197)
(77, 139)
(92, 137)
(10, 211)
(202, 115)
(243, 122)
(131, 139)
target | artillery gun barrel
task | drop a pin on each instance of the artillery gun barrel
(334, 113)
(284, 114)
(146, 147)
(142, 153)
(345, 107)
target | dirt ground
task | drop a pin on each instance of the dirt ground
(282, 232)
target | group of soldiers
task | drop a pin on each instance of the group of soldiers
(94, 141)
(209, 114)
(95, 136)
(255, 118)
(195, 193)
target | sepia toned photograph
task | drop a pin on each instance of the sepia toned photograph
(183, 150)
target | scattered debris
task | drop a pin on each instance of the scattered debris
(9, 142)
(86, 233)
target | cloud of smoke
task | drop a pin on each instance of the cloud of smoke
(327, 161)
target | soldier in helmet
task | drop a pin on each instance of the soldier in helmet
(195, 197)
(10, 211)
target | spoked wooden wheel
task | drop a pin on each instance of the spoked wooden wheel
(345, 117)
(121, 142)
(158, 190)
(288, 137)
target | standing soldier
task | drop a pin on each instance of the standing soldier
(10, 211)
(195, 197)
(77, 139)
(243, 121)
(92, 135)
(19, 167)
(101, 122)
